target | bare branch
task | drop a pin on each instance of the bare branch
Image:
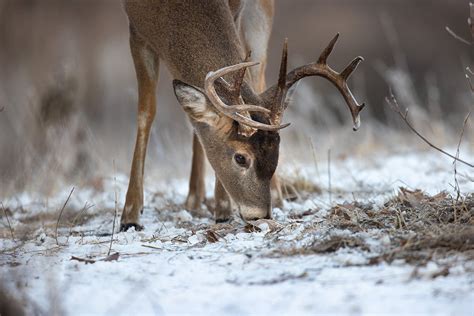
(392, 101)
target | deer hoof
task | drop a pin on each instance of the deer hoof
(127, 226)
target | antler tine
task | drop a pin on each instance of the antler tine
(283, 66)
(232, 111)
(280, 92)
(239, 77)
(327, 51)
(346, 73)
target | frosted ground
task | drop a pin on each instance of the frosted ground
(303, 262)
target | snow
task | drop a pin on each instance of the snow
(172, 268)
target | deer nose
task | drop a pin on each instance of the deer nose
(254, 213)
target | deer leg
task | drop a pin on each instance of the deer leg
(146, 66)
(197, 190)
(222, 209)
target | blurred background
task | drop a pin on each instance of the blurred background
(68, 88)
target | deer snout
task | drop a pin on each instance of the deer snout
(254, 213)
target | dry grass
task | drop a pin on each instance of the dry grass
(419, 228)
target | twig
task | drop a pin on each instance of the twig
(391, 100)
(115, 211)
(112, 257)
(152, 247)
(86, 261)
(61, 213)
(329, 177)
(459, 38)
(456, 183)
(8, 221)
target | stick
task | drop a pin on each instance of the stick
(61, 213)
(393, 102)
(115, 211)
(8, 221)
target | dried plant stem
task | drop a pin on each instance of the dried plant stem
(60, 214)
(459, 38)
(393, 102)
(115, 212)
(456, 183)
(84, 209)
(314, 157)
(329, 177)
(8, 221)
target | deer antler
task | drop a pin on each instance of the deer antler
(319, 68)
(234, 111)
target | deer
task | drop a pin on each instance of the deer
(216, 51)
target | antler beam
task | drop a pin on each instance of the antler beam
(321, 69)
(234, 111)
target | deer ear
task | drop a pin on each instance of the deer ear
(195, 103)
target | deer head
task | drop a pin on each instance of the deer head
(239, 130)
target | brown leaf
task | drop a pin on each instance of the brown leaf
(112, 257)
(212, 236)
(413, 198)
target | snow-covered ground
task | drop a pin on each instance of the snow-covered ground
(187, 264)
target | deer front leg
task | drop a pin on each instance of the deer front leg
(197, 190)
(222, 209)
(146, 66)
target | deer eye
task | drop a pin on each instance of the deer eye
(240, 160)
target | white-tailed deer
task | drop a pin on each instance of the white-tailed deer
(206, 46)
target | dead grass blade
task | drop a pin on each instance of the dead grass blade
(115, 212)
(8, 221)
(60, 214)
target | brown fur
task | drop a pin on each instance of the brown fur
(193, 37)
